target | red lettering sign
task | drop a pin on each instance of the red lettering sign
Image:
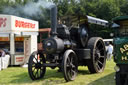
(22, 24)
(19, 59)
(3, 22)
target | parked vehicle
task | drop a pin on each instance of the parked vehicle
(121, 49)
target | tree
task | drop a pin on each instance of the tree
(104, 9)
(107, 9)
(124, 7)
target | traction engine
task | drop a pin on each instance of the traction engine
(67, 48)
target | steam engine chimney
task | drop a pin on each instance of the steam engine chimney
(53, 20)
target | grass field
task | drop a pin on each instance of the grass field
(19, 76)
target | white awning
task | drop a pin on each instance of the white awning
(29, 33)
(4, 34)
(24, 34)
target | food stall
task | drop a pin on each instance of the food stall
(18, 36)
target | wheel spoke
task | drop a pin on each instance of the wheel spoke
(33, 69)
(69, 73)
(73, 66)
(41, 62)
(40, 71)
(67, 65)
(99, 45)
(71, 60)
(33, 65)
(68, 62)
(37, 73)
(101, 56)
(34, 73)
(73, 72)
(34, 61)
(42, 68)
(97, 51)
(102, 49)
(36, 58)
(100, 62)
(98, 66)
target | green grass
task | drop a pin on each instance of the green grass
(19, 76)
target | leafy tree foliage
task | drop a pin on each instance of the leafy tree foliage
(104, 9)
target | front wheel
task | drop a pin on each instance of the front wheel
(35, 65)
(69, 65)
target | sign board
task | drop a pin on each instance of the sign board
(9, 23)
(121, 50)
(19, 59)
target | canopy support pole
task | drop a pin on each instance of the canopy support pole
(12, 47)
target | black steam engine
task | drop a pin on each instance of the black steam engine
(67, 48)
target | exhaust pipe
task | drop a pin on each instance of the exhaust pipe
(53, 15)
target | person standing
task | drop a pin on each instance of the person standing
(109, 51)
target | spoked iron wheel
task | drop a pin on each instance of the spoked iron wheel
(35, 66)
(69, 65)
(98, 55)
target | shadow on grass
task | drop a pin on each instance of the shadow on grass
(24, 78)
(83, 72)
(51, 76)
(21, 78)
(106, 80)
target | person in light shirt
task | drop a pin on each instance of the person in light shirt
(109, 51)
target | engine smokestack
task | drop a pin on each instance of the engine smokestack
(53, 20)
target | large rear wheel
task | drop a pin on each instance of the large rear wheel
(69, 65)
(35, 66)
(98, 55)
